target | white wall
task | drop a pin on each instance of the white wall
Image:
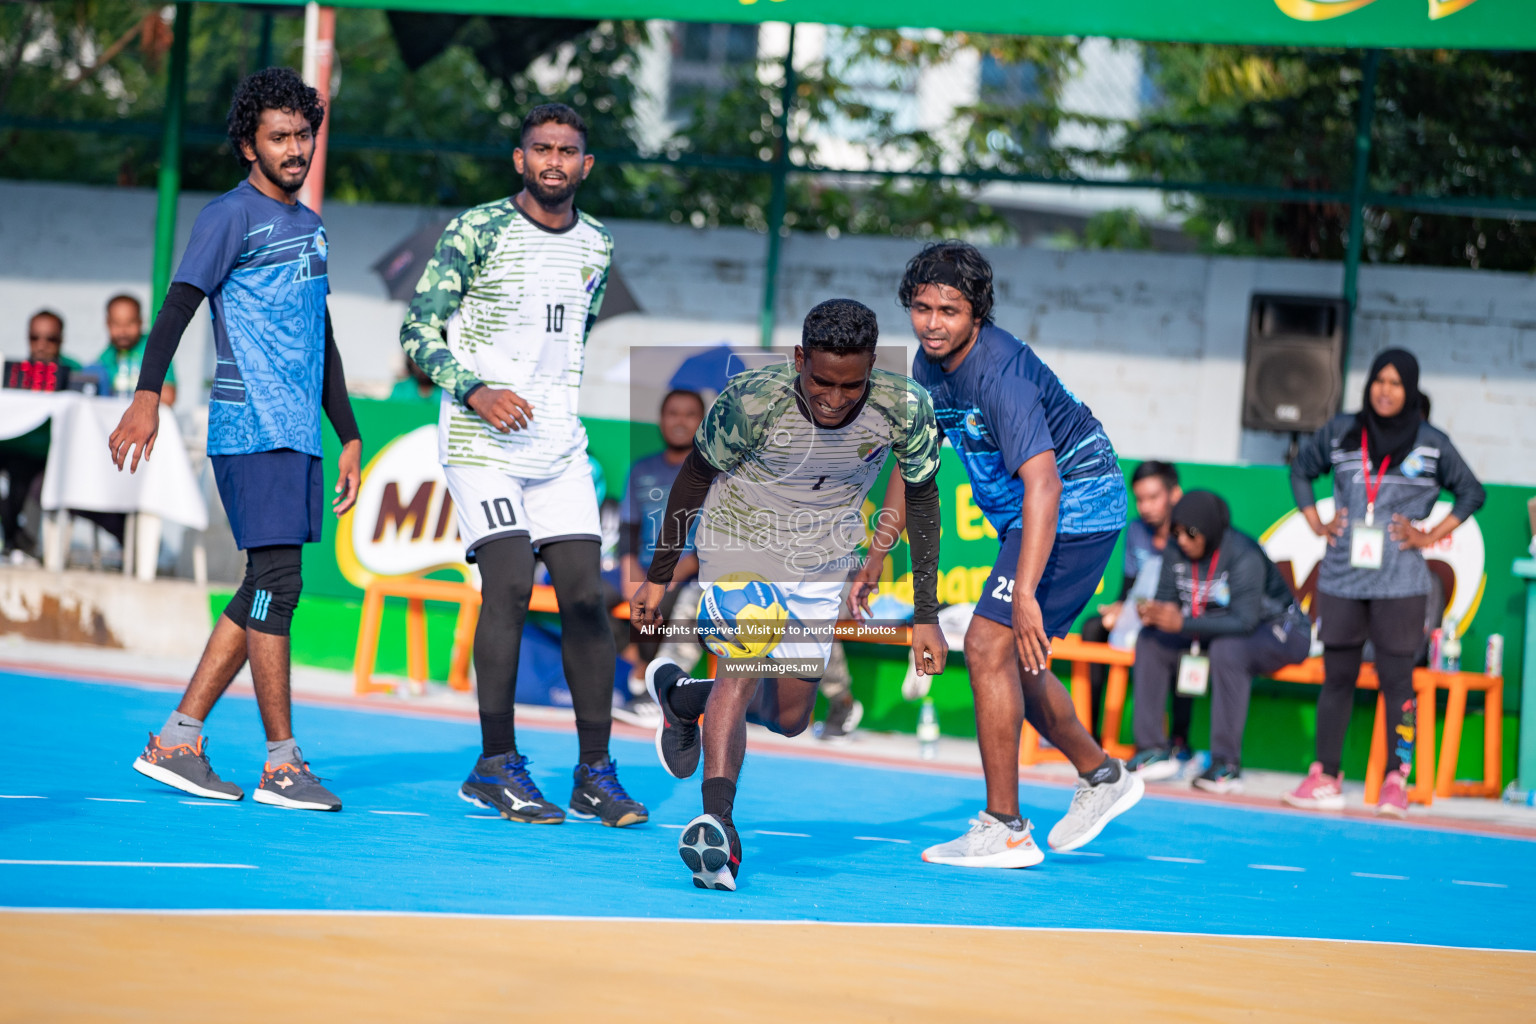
(1153, 342)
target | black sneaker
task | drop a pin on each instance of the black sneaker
(296, 788)
(599, 794)
(502, 783)
(843, 717)
(677, 741)
(1221, 777)
(712, 850)
(185, 767)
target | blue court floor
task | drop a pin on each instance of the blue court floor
(824, 841)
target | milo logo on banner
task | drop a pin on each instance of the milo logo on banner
(404, 522)
(1458, 561)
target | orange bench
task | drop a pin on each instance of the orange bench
(1431, 778)
(418, 590)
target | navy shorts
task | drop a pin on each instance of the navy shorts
(1071, 578)
(271, 497)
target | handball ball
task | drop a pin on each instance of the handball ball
(742, 615)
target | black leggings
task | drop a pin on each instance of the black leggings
(586, 645)
(1395, 627)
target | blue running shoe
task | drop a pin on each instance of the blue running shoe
(712, 850)
(502, 784)
(599, 794)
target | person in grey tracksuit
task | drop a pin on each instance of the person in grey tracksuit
(1221, 598)
(1388, 467)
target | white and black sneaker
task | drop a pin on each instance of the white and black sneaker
(1221, 777)
(712, 850)
(1155, 764)
(843, 717)
(185, 767)
(640, 711)
(599, 794)
(677, 741)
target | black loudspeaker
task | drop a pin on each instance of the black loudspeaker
(1295, 378)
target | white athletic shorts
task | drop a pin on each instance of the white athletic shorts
(491, 504)
(814, 604)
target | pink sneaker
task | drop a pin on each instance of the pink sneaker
(1318, 791)
(1393, 800)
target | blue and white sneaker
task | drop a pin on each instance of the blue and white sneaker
(712, 850)
(599, 794)
(677, 741)
(502, 784)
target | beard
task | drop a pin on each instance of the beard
(280, 173)
(544, 195)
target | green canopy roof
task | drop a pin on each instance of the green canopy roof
(1454, 24)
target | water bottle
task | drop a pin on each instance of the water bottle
(928, 730)
(1450, 645)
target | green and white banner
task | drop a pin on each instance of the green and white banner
(1419, 24)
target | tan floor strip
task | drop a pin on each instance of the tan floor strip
(171, 968)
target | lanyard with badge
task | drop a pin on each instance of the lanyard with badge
(1194, 667)
(1365, 542)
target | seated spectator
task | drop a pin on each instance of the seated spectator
(1155, 486)
(120, 360)
(22, 458)
(416, 387)
(1223, 614)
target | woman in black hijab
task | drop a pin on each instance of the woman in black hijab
(1388, 469)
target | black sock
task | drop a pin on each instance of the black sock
(1011, 820)
(688, 698)
(497, 735)
(719, 797)
(593, 738)
(1109, 771)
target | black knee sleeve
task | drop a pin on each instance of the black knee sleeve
(265, 602)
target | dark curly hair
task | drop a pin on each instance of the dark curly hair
(840, 326)
(269, 89)
(552, 113)
(960, 265)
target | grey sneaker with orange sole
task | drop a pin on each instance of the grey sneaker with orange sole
(296, 788)
(186, 768)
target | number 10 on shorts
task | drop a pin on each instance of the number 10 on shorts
(498, 513)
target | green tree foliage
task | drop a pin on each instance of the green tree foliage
(1446, 124)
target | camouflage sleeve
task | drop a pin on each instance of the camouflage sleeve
(423, 335)
(918, 444)
(601, 288)
(598, 292)
(730, 429)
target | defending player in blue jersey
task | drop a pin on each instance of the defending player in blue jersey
(259, 256)
(1046, 477)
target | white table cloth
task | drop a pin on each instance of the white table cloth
(80, 472)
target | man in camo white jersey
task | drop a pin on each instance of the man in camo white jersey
(500, 322)
(780, 468)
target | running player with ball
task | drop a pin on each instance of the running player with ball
(778, 473)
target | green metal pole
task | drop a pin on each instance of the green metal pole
(170, 157)
(1363, 119)
(264, 49)
(780, 199)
